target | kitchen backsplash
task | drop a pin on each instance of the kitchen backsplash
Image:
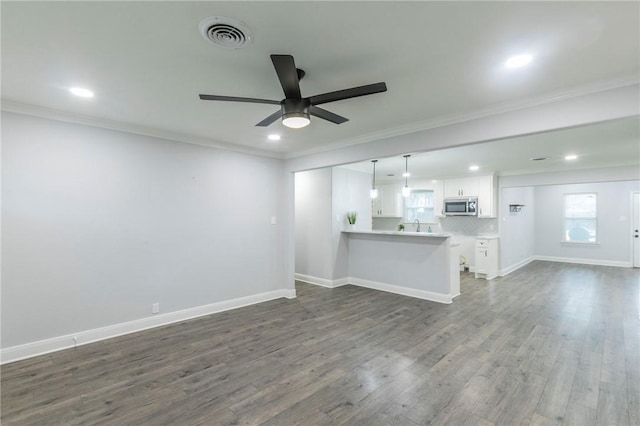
(386, 223)
(457, 225)
(465, 225)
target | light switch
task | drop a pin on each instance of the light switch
(273, 220)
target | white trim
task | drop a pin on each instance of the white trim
(515, 266)
(450, 119)
(41, 347)
(404, 291)
(102, 123)
(600, 262)
(323, 282)
(374, 285)
(632, 228)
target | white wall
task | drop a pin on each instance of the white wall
(323, 198)
(614, 232)
(100, 224)
(350, 191)
(314, 227)
(517, 229)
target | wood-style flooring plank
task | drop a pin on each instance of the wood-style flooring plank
(550, 344)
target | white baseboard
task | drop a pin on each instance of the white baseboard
(404, 291)
(28, 350)
(516, 266)
(323, 282)
(616, 263)
(390, 288)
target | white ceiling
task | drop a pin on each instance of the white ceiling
(609, 144)
(147, 63)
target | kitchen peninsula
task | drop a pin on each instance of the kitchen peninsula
(416, 264)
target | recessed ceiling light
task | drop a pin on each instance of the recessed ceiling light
(518, 61)
(570, 157)
(474, 168)
(274, 137)
(433, 180)
(83, 93)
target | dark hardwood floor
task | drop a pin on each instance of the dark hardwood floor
(549, 344)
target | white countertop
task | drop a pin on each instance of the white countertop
(403, 233)
(487, 237)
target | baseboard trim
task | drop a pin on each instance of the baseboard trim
(404, 291)
(323, 282)
(598, 262)
(42, 347)
(374, 285)
(515, 266)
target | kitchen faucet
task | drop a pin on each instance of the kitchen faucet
(418, 223)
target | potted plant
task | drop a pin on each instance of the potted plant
(401, 227)
(351, 217)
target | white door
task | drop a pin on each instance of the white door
(636, 230)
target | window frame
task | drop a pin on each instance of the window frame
(565, 218)
(405, 205)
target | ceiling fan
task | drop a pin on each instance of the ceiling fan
(295, 110)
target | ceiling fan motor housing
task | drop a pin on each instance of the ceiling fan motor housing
(295, 108)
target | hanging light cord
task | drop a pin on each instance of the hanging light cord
(373, 179)
(406, 170)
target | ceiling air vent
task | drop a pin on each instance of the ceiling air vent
(225, 32)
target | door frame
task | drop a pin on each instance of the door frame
(632, 228)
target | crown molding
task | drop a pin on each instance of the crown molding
(431, 123)
(51, 114)
(446, 120)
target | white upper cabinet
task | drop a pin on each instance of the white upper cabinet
(464, 187)
(389, 201)
(483, 187)
(438, 198)
(486, 196)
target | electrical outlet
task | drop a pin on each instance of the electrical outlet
(75, 340)
(155, 308)
(273, 220)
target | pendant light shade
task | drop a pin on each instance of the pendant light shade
(406, 191)
(373, 193)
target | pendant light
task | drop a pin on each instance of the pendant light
(406, 191)
(373, 193)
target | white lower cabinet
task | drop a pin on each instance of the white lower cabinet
(486, 258)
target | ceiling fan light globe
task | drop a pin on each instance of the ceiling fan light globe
(296, 120)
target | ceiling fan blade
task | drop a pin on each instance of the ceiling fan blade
(354, 92)
(270, 119)
(288, 75)
(237, 99)
(327, 115)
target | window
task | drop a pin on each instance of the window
(580, 218)
(419, 205)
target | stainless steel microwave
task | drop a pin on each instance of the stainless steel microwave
(461, 207)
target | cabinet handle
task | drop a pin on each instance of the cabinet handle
(481, 211)
(485, 253)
